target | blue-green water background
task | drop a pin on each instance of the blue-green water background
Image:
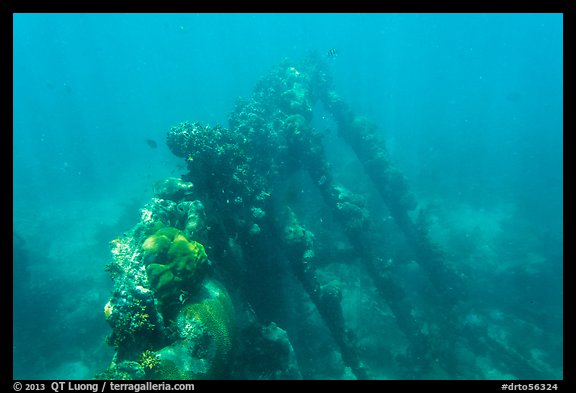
(470, 107)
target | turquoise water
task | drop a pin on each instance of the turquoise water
(469, 106)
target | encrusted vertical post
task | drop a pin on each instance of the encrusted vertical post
(299, 247)
(360, 134)
(349, 211)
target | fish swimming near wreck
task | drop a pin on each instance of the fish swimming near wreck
(152, 143)
(332, 53)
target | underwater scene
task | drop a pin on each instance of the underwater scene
(288, 196)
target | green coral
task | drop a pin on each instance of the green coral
(149, 360)
(215, 315)
(174, 265)
(206, 336)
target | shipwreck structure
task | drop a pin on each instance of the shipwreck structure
(196, 285)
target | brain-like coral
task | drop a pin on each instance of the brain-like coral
(175, 266)
(205, 330)
(214, 318)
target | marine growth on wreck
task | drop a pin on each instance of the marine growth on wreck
(224, 277)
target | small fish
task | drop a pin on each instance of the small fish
(332, 53)
(152, 143)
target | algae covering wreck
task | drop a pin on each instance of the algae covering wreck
(195, 280)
